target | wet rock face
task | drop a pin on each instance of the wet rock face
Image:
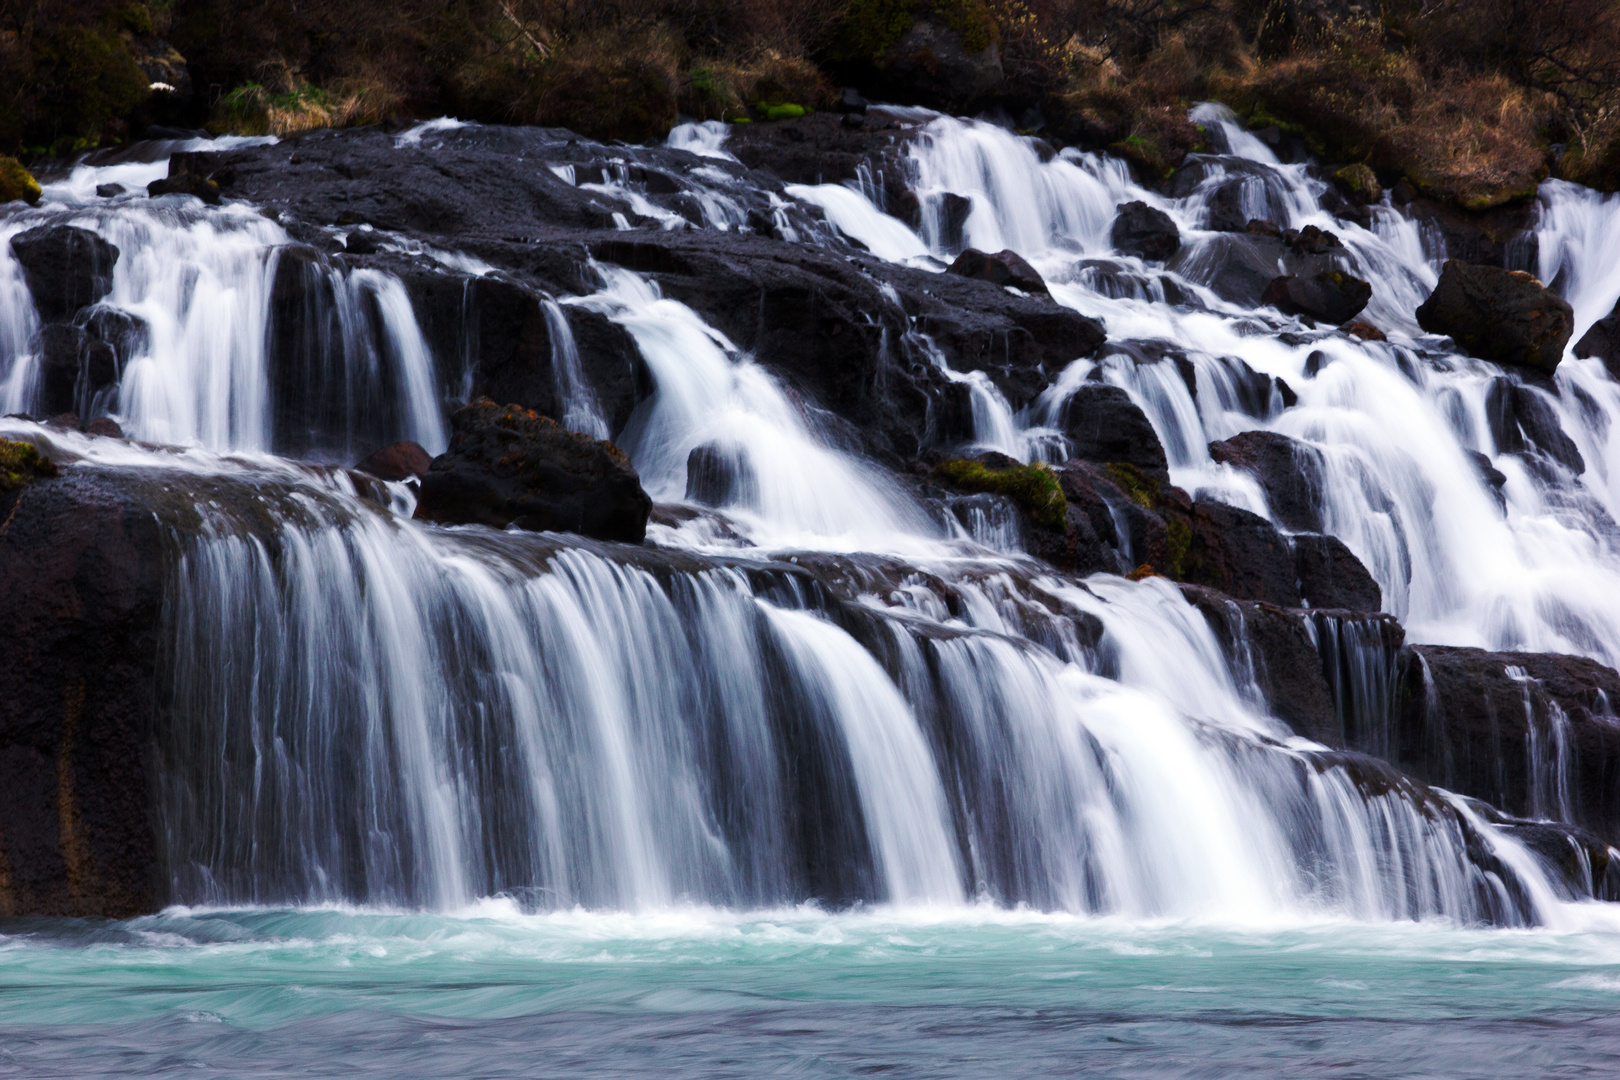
(81, 590)
(1490, 725)
(1145, 232)
(1290, 472)
(1602, 339)
(517, 348)
(510, 466)
(1104, 425)
(932, 64)
(1331, 297)
(1241, 554)
(1504, 316)
(66, 268)
(1523, 421)
(1007, 268)
(1330, 575)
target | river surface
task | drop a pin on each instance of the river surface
(490, 992)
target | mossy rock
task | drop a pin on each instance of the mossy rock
(21, 464)
(1035, 488)
(1360, 183)
(783, 112)
(17, 182)
(1142, 488)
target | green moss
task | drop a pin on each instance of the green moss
(20, 464)
(1178, 542)
(17, 182)
(1359, 181)
(1142, 488)
(783, 112)
(1033, 487)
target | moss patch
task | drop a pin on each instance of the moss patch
(1033, 487)
(1142, 488)
(21, 464)
(17, 182)
(1360, 182)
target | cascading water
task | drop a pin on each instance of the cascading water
(818, 721)
(201, 364)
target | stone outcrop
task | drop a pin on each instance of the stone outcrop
(1006, 268)
(1104, 425)
(81, 591)
(1288, 470)
(1505, 316)
(1145, 232)
(1331, 297)
(509, 466)
(66, 268)
(1602, 339)
(1496, 726)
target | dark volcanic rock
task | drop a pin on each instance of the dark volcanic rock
(1332, 297)
(397, 461)
(1225, 207)
(1103, 425)
(1290, 472)
(1145, 232)
(1490, 725)
(66, 268)
(1602, 339)
(1237, 266)
(1522, 420)
(1241, 554)
(82, 578)
(509, 466)
(1002, 268)
(516, 341)
(1330, 575)
(1504, 316)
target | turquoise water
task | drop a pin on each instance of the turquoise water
(494, 993)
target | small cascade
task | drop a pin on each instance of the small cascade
(202, 358)
(801, 491)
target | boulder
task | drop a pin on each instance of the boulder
(1003, 268)
(1602, 339)
(507, 465)
(1331, 297)
(189, 174)
(397, 461)
(1358, 183)
(1225, 211)
(1505, 316)
(1290, 472)
(1522, 421)
(17, 182)
(1146, 232)
(1330, 575)
(1492, 726)
(66, 268)
(1237, 266)
(1239, 553)
(1104, 425)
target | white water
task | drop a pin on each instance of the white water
(440, 715)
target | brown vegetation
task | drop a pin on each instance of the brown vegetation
(1473, 101)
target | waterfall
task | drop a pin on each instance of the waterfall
(205, 364)
(849, 697)
(436, 716)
